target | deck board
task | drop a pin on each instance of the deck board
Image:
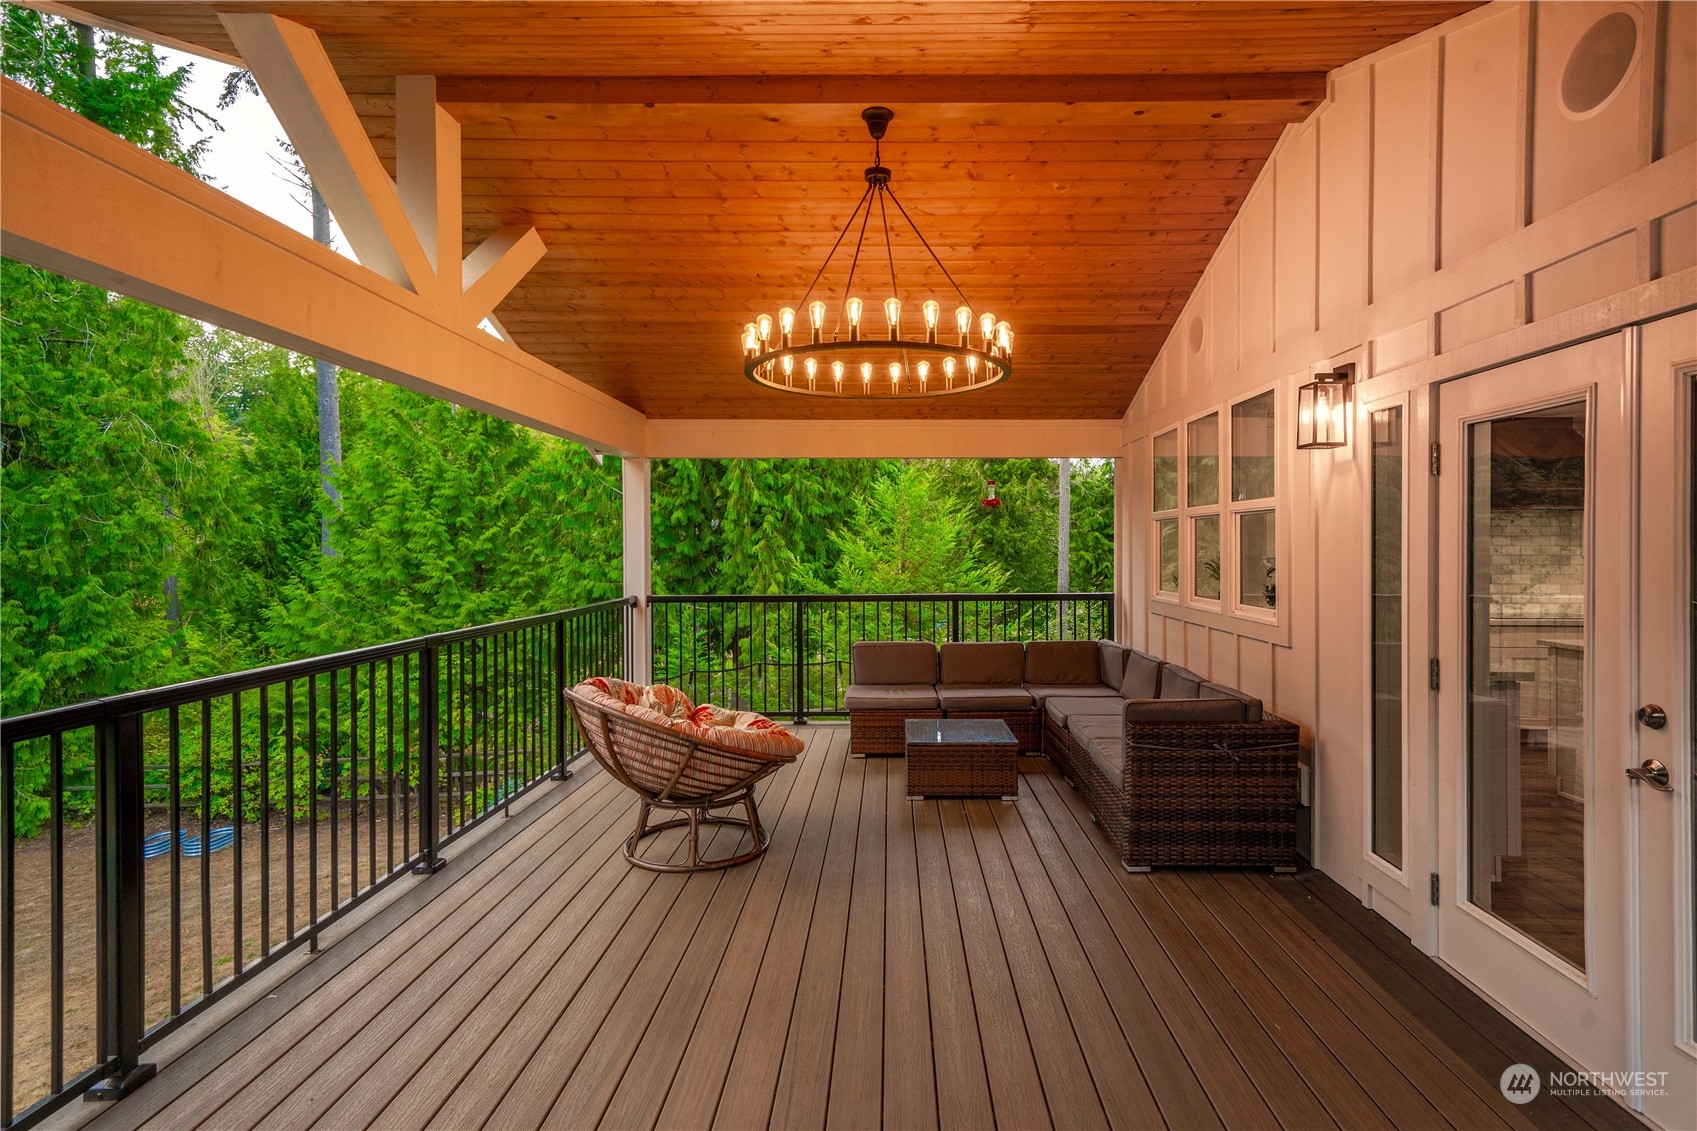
(905, 964)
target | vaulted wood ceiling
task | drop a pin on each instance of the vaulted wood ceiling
(690, 164)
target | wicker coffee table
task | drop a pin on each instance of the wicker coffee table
(962, 758)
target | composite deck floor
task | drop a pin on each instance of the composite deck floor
(910, 964)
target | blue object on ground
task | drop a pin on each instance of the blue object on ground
(159, 843)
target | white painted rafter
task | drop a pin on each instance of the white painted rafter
(407, 229)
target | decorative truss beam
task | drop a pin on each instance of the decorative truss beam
(408, 229)
(72, 192)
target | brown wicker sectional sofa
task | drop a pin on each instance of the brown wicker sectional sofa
(1181, 771)
(1177, 770)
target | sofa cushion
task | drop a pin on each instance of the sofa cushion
(1176, 683)
(1060, 708)
(894, 661)
(983, 697)
(1043, 692)
(1062, 661)
(1000, 664)
(1103, 738)
(1251, 705)
(1142, 679)
(890, 697)
(1110, 662)
(1184, 710)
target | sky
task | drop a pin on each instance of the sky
(243, 157)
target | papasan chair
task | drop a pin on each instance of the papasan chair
(682, 758)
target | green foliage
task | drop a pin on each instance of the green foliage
(909, 536)
(122, 84)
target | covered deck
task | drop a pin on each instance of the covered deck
(895, 963)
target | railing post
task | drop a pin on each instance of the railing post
(561, 719)
(429, 761)
(956, 627)
(799, 669)
(1110, 634)
(119, 813)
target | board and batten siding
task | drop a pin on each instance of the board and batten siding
(1440, 213)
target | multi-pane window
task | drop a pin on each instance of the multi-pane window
(1164, 503)
(1213, 501)
(1202, 504)
(1254, 477)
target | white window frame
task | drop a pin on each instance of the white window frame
(1189, 513)
(1362, 429)
(1230, 538)
(1173, 514)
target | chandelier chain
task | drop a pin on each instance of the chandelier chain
(926, 244)
(820, 274)
(889, 251)
(848, 287)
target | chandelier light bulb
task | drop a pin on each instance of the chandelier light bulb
(816, 313)
(866, 375)
(963, 322)
(786, 324)
(971, 368)
(987, 325)
(764, 325)
(853, 308)
(893, 316)
(1004, 338)
(750, 340)
(924, 371)
(837, 374)
(895, 376)
(789, 368)
(949, 372)
(932, 309)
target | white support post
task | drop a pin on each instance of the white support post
(639, 563)
(1124, 574)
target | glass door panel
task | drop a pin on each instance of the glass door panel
(1528, 679)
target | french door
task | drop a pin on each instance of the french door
(1665, 823)
(1566, 828)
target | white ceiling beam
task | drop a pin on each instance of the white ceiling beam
(427, 169)
(299, 82)
(491, 271)
(883, 439)
(73, 192)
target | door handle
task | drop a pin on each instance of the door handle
(1652, 773)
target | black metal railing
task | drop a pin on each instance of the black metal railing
(161, 847)
(789, 655)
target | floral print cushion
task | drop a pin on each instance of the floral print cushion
(667, 706)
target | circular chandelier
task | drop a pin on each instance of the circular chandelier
(857, 363)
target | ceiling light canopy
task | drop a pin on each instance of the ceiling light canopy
(829, 349)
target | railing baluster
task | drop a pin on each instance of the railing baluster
(559, 698)
(56, 885)
(8, 946)
(429, 757)
(119, 828)
(264, 823)
(237, 911)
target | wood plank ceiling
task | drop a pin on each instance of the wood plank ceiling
(689, 165)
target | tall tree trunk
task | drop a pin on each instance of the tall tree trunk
(329, 403)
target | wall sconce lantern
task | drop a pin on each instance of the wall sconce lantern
(1323, 410)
